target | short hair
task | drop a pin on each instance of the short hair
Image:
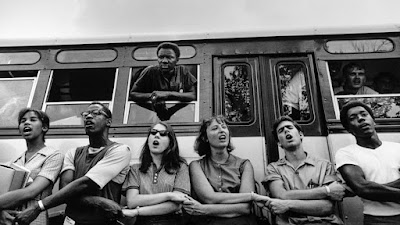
(104, 108)
(201, 145)
(169, 45)
(279, 121)
(346, 69)
(347, 107)
(170, 159)
(43, 117)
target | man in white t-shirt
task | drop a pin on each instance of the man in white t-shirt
(370, 167)
(91, 177)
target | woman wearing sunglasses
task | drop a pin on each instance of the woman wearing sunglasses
(222, 183)
(43, 162)
(156, 188)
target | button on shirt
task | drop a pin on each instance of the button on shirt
(158, 180)
(224, 177)
(309, 174)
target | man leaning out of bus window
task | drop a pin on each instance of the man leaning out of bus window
(354, 81)
(371, 166)
(165, 82)
(303, 188)
(91, 177)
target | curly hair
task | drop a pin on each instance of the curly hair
(169, 45)
(170, 159)
(343, 113)
(201, 145)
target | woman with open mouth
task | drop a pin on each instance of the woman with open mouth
(42, 162)
(222, 183)
(157, 186)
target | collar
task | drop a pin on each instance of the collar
(309, 160)
(46, 151)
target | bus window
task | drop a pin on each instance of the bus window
(374, 82)
(238, 99)
(72, 91)
(142, 112)
(16, 92)
(19, 58)
(294, 90)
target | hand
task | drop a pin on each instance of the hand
(193, 207)
(159, 95)
(278, 206)
(178, 196)
(130, 212)
(337, 191)
(6, 218)
(260, 200)
(28, 215)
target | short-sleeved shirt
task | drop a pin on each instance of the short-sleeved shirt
(224, 177)
(47, 163)
(151, 79)
(380, 165)
(311, 173)
(158, 180)
(364, 90)
(114, 166)
(295, 94)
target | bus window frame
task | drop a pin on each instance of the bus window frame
(252, 128)
(128, 103)
(84, 49)
(49, 85)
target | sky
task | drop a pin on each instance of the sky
(60, 21)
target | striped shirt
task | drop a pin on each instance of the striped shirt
(47, 163)
(158, 181)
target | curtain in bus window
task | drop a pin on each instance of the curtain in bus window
(294, 91)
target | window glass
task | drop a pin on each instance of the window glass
(72, 90)
(237, 93)
(359, 46)
(294, 90)
(374, 82)
(151, 54)
(19, 58)
(173, 111)
(15, 94)
(75, 56)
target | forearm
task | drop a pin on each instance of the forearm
(311, 207)
(183, 97)
(394, 184)
(307, 194)
(72, 190)
(14, 199)
(140, 97)
(226, 198)
(159, 209)
(227, 210)
(378, 192)
(147, 199)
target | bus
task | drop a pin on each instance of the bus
(244, 55)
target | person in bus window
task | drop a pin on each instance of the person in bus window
(43, 162)
(354, 81)
(166, 81)
(295, 97)
(385, 83)
(371, 166)
(303, 189)
(222, 183)
(91, 177)
(157, 186)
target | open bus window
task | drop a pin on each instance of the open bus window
(16, 90)
(237, 93)
(143, 112)
(73, 90)
(374, 82)
(294, 91)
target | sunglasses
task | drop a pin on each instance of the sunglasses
(162, 133)
(96, 112)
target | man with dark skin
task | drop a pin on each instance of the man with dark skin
(98, 170)
(371, 166)
(165, 82)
